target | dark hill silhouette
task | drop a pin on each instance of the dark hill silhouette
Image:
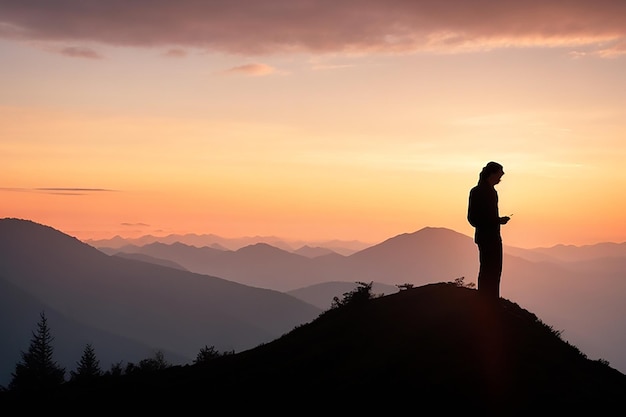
(438, 348)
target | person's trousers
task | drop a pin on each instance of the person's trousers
(490, 271)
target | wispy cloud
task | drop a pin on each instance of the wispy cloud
(58, 190)
(135, 224)
(614, 50)
(80, 52)
(175, 53)
(359, 26)
(251, 69)
(326, 67)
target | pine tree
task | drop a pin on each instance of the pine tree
(89, 366)
(38, 372)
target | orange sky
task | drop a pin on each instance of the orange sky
(313, 120)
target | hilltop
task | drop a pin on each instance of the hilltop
(439, 345)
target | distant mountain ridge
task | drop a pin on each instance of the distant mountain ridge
(307, 248)
(560, 252)
(409, 257)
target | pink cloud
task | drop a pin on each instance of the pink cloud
(80, 52)
(175, 53)
(251, 69)
(614, 50)
(279, 26)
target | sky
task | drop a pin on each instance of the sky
(313, 119)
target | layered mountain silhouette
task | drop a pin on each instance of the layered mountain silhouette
(437, 349)
(144, 306)
(411, 257)
(580, 291)
(149, 302)
(307, 248)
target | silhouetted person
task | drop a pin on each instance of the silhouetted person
(483, 214)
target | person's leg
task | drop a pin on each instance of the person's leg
(490, 257)
(497, 267)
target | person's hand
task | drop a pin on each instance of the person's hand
(504, 220)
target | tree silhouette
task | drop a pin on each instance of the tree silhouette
(460, 282)
(89, 366)
(405, 286)
(37, 372)
(115, 370)
(208, 353)
(155, 363)
(362, 292)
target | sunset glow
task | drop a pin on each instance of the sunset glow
(313, 120)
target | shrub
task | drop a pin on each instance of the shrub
(362, 292)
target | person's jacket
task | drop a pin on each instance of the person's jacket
(482, 212)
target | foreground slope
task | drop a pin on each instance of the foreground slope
(439, 346)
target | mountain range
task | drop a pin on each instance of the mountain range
(306, 248)
(576, 289)
(237, 299)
